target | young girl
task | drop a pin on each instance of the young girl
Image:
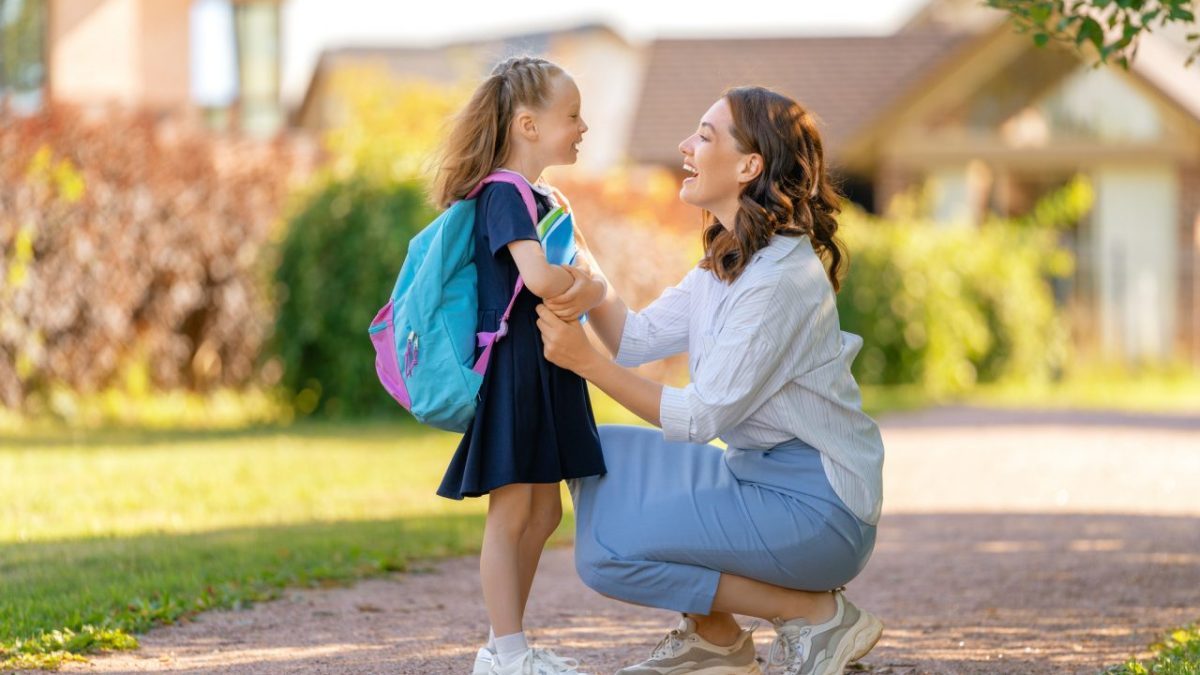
(533, 426)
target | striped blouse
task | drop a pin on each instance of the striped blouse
(768, 363)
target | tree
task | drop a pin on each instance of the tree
(1111, 27)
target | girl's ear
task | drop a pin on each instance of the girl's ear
(525, 125)
(750, 167)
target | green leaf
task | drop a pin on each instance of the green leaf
(1040, 13)
(1040, 39)
(1090, 31)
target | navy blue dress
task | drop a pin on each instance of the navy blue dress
(534, 420)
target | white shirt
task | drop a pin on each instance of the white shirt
(768, 363)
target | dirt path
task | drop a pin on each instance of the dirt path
(1011, 543)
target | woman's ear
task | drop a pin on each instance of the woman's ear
(750, 167)
(525, 125)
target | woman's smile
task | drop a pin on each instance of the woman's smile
(692, 170)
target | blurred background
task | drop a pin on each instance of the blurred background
(204, 202)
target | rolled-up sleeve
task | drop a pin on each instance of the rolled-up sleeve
(661, 329)
(739, 372)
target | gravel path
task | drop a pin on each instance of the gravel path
(1011, 543)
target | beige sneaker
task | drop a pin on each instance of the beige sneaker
(684, 651)
(803, 649)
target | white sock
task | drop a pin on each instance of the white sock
(491, 643)
(509, 648)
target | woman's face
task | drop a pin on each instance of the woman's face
(718, 168)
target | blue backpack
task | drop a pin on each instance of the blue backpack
(425, 337)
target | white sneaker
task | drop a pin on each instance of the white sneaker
(537, 662)
(483, 661)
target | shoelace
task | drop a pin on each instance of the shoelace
(786, 650)
(668, 646)
(556, 663)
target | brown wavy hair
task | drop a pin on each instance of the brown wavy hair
(792, 196)
(478, 141)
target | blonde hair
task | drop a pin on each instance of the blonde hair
(478, 140)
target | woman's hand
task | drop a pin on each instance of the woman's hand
(585, 293)
(565, 344)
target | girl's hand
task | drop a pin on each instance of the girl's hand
(584, 294)
(565, 344)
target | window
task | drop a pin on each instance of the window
(22, 55)
(236, 64)
(257, 28)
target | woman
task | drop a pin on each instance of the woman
(788, 512)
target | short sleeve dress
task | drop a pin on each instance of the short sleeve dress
(534, 422)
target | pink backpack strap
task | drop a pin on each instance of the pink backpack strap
(512, 179)
(488, 340)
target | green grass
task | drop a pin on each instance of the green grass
(105, 535)
(1165, 391)
(1177, 654)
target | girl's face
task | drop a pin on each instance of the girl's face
(718, 168)
(560, 125)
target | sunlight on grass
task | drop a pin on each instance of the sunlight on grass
(193, 484)
(106, 534)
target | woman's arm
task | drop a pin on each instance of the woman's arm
(567, 347)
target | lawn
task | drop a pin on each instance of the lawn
(106, 533)
(121, 530)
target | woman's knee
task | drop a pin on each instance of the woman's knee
(623, 444)
(594, 573)
(602, 569)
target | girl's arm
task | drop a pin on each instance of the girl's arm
(542, 278)
(606, 310)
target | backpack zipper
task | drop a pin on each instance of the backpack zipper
(410, 358)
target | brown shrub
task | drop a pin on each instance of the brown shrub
(132, 239)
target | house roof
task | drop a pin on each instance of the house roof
(448, 62)
(844, 81)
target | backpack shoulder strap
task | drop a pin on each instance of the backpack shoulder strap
(514, 180)
(488, 340)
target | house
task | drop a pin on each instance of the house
(606, 66)
(144, 53)
(985, 121)
(954, 104)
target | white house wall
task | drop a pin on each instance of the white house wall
(1134, 224)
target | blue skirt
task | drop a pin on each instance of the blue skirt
(670, 518)
(534, 421)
